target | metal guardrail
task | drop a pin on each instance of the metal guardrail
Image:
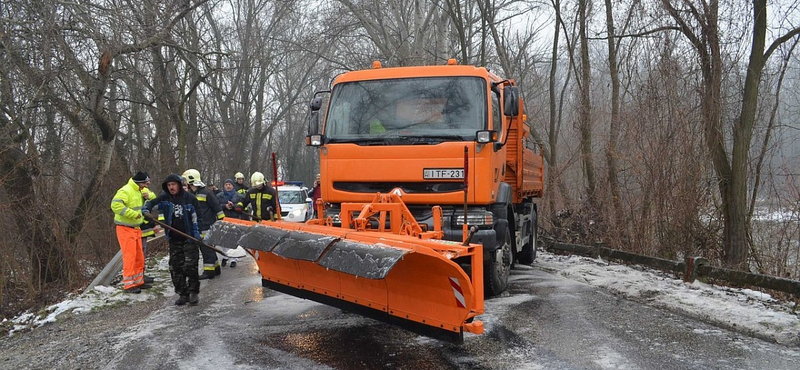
(691, 267)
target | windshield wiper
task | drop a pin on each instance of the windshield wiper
(431, 139)
(400, 140)
(366, 141)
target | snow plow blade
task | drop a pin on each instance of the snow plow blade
(410, 281)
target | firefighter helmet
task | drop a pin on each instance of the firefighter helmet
(257, 179)
(238, 175)
(193, 177)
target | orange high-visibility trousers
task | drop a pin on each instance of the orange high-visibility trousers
(130, 242)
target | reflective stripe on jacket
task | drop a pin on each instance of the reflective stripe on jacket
(240, 188)
(148, 229)
(208, 209)
(262, 201)
(127, 205)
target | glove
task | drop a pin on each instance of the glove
(238, 209)
(147, 216)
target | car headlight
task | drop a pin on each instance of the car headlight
(295, 213)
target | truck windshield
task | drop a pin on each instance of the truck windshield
(407, 111)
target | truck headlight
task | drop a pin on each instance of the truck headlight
(475, 218)
(485, 136)
(314, 140)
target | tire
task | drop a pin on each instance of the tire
(495, 272)
(528, 252)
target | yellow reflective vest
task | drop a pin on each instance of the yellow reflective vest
(127, 205)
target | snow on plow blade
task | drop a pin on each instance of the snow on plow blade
(399, 279)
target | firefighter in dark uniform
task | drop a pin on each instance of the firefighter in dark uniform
(262, 198)
(208, 212)
(148, 229)
(239, 185)
(228, 199)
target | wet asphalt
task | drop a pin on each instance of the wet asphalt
(544, 321)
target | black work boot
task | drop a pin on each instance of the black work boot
(134, 290)
(148, 279)
(217, 270)
(233, 264)
(208, 274)
(182, 300)
(193, 299)
(224, 262)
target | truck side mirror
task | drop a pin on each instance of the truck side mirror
(511, 101)
(313, 122)
(313, 116)
(316, 103)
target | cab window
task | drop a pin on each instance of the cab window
(497, 120)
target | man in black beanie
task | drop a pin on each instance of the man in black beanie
(127, 206)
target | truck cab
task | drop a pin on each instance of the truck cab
(451, 136)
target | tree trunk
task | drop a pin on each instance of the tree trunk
(736, 237)
(554, 126)
(585, 111)
(107, 130)
(47, 258)
(613, 130)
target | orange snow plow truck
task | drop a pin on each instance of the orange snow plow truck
(429, 182)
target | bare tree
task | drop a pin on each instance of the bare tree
(78, 38)
(402, 32)
(700, 25)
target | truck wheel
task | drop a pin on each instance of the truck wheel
(497, 268)
(528, 252)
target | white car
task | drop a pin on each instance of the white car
(295, 203)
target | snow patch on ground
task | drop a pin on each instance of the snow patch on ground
(98, 297)
(752, 312)
(610, 359)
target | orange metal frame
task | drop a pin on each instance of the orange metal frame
(426, 286)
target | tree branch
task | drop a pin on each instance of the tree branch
(780, 40)
(639, 34)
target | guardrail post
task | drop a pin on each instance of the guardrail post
(109, 272)
(692, 264)
(600, 250)
(107, 275)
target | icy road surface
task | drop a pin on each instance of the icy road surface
(545, 321)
